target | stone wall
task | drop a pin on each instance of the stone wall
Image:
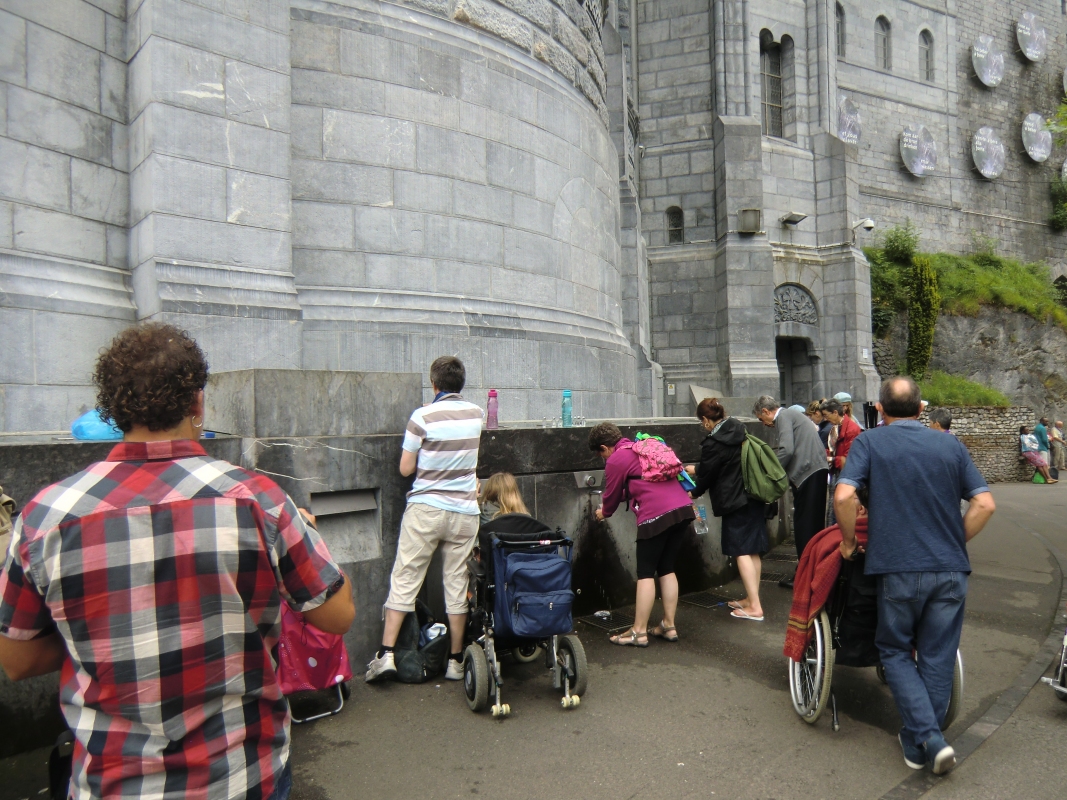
(992, 437)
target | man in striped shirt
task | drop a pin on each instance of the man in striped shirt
(441, 447)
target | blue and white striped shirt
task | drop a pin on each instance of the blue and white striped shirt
(445, 434)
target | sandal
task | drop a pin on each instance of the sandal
(740, 613)
(661, 631)
(633, 640)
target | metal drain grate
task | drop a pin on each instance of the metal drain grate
(781, 557)
(774, 577)
(616, 622)
(710, 599)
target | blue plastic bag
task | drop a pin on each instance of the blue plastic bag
(89, 427)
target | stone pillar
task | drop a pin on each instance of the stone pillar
(210, 214)
(744, 264)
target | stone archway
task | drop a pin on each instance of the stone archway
(797, 346)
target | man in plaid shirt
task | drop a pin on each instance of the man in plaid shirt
(154, 580)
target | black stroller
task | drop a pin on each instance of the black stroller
(520, 599)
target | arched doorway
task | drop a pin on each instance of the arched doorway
(796, 345)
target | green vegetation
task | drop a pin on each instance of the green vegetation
(966, 283)
(924, 303)
(900, 242)
(942, 389)
(1058, 192)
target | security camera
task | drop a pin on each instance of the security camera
(866, 223)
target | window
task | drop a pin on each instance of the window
(675, 226)
(770, 61)
(841, 30)
(883, 44)
(926, 56)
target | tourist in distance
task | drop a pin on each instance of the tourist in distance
(1030, 448)
(1059, 445)
(803, 456)
(501, 495)
(744, 520)
(917, 546)
(815, 415)
(845, 432)
(845, 399)
(441, 448)
(1041, 434)
(941, 420)
(665, 517)
(168, 567)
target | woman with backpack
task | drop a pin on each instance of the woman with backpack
(744, 520)
(645, 473)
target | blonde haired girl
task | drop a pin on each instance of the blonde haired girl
(500, 495)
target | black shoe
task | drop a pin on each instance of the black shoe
(786, 583)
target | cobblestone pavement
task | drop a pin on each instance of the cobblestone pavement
(709, 716)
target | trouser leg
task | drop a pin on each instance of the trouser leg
(809, 509)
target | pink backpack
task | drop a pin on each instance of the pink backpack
(658, 461)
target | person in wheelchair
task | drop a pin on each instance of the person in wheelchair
(917, 550)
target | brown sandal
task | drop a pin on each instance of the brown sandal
(661, 631)
(622, 640)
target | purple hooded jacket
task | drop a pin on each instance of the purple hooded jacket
(648, 499)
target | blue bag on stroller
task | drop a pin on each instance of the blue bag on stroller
(537, 597)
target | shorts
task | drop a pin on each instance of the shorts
(656, 556)
(423, 530)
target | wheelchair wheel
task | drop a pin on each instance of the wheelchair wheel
(475, 677)
(809, 679)
(526, 653)
(573, 653)
(955, 702)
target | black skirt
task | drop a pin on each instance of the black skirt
(744, 532)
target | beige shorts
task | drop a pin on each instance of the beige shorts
(423, 530)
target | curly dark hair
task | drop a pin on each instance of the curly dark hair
(149, 375)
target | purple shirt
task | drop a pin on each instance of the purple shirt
(649, 499)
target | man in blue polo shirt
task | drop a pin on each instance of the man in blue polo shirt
(917, 546)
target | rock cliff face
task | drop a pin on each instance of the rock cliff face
(1006, 350)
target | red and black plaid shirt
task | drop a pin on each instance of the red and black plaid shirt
(163, 569)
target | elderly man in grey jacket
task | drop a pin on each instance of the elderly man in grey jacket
(804, 458)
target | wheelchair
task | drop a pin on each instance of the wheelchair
(844, 636)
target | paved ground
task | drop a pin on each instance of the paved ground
(710, 716)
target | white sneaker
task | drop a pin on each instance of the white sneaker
(381, 668)
(454, 670)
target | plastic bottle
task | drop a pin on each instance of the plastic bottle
(568, 420)
(701, 522)
(491, 420)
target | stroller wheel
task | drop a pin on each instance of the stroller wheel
(475, 677)
(526, 653)
(571, 650)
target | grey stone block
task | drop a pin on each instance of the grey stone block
(6, 230)
(323, 225)
(257, 96)
(12, 49)
(367, 139)
(328, 268)
(115, 37)
(45, 408)
(62, 68)
(177, 186)
(439, 73)
(343, 92)
(257, 200)
(386, 230)
(418, 192)
(74, 18)
(188, 239)
(531, 252)
(340, 182)
(56, 125)
(113, 88)
(17, 324)
(66, 346)
(464, 240)
(400, 272)
(99, 193)
(482, 202)
(58, 234)
(369, 56)
(315, 46)
(533, 214)
(451, 153)
(34, 175)
(120, 146)
(511, 168)
(118, 247)
(456, 277)
(168, 72)
(521, 286)
(307, 131)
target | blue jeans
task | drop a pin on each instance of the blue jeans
(284, 785)
(924, 611)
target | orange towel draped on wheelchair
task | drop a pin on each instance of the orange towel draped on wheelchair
(815, 578)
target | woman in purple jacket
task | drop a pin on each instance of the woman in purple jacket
(664, 517)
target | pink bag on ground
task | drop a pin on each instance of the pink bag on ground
(309, 659)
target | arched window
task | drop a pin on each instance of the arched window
(675, 226)
(840, 31)
(883, 44)
(926, 56)
(770, 62)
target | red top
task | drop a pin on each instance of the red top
(848, 431)
(164, 569)
(649, 499)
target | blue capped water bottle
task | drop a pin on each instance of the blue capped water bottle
(568, 419)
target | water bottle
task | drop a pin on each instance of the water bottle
(701, 522)
(491, 420)
(568, 420)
